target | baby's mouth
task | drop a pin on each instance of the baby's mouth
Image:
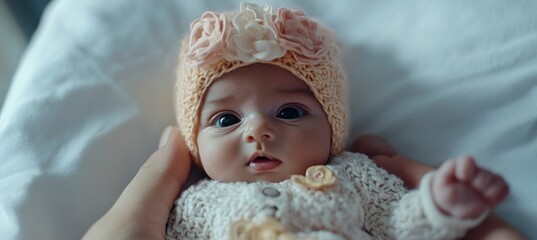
(263, 163)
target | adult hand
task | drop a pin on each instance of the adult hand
(142, 210)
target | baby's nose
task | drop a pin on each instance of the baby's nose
(259, 129)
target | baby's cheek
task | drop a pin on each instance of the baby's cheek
(216, 162)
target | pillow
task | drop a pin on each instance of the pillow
(94, 91)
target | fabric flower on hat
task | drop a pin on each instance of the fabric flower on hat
(207, 44)
(317, 177)
(253, 36)
(300, 35)
(270, 229)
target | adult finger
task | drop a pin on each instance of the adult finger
(372, 145)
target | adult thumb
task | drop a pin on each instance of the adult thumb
(142, 210)
(159, 180)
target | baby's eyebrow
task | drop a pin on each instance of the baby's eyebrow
(219, 99)
(299, 90)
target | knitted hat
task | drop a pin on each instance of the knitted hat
(221, 43)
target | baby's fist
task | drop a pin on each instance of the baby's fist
(462, 189)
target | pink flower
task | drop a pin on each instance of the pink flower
(206, 39)
(300, 36)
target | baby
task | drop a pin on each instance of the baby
(261, 104)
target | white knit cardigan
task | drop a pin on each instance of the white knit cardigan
(365, 203)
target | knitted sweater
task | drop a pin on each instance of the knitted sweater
(364, 202)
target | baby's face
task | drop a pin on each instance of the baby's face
(260, 122)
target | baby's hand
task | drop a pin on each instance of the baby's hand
(462, 189)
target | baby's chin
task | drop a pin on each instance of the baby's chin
(273, 177)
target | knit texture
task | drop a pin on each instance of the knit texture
(365, 203)
(325, 79)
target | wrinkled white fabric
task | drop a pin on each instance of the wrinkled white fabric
(93, 92)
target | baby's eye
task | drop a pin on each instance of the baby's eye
(291, 112)
(226, 120)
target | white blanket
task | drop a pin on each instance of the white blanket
(94, 91)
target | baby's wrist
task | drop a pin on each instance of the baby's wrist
(440, 217)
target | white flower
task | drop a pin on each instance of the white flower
(253, 36)
(260, 11)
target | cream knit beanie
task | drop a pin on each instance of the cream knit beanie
(220, 43)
